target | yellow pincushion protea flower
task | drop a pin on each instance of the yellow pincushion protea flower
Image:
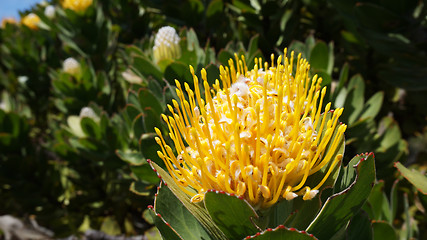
(254, 137)
(8, 20)
(31, 21)
(77, 5)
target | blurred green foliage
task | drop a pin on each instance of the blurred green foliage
(74, 172)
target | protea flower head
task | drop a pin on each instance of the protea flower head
(88, 112)
(31, 21)
(166, 44)
(77, 5)
(49, 11)
(257, 134)
(7, 20)
(71, 66)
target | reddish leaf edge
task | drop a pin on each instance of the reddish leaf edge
(157, 215)
(279, 228)
(418, 189)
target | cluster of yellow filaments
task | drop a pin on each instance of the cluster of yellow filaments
(77, 5)
(259, 136)
(31, 21)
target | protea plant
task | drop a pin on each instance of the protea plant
(257, 155)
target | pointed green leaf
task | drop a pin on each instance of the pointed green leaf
(232, 215)
(110, 226)
(359, 227)
(180, 71)
(212, 73)
(253, 46)
(319, 56)
(163, 227)
(144, 173)
(148, 100)
(354, 100)
(413, 176)
(199, 212)
(75, 127)
(305, 212)
(141, 188)
(224, 56)
(131, 157)
(282, 233)
(278, 213)
(393, 199)
(373, 106)
(146, 68)
(379, 203)
(179, 218)
(354, 185)
(383, 230)
(342, 79)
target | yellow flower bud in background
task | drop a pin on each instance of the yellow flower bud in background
(77, 5)
(31, 21)
(166, 44)
(8, 20)
(71, 66)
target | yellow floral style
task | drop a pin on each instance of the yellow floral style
(256, 134)
(77, 5)
(31, 21)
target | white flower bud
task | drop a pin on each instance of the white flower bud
(166, 44)
(49, 11)
(88, 112)
(71, 66)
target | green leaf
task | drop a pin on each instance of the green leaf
(376, 17)
(232, 215)
(359, 227)
(393, 199)
(164, 228)
(326, 78)
(379, 203)
(148, 100)
(212, 73)
(179, 218)
(224, 56)
(298, 47)
(145, 174)
(383, 230)
(331, 58)
(146, 68)
(343, 77)
(353, 187)
(253, 46)
(354, 101)
(372, 106)
(278, 213)
(199, 212)
(282, 233)
(75, 127)
(413, 176)
(179, 71)
(131, 157)
(319, 56)
(192, 40)
(141, 189)
(110, 226)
